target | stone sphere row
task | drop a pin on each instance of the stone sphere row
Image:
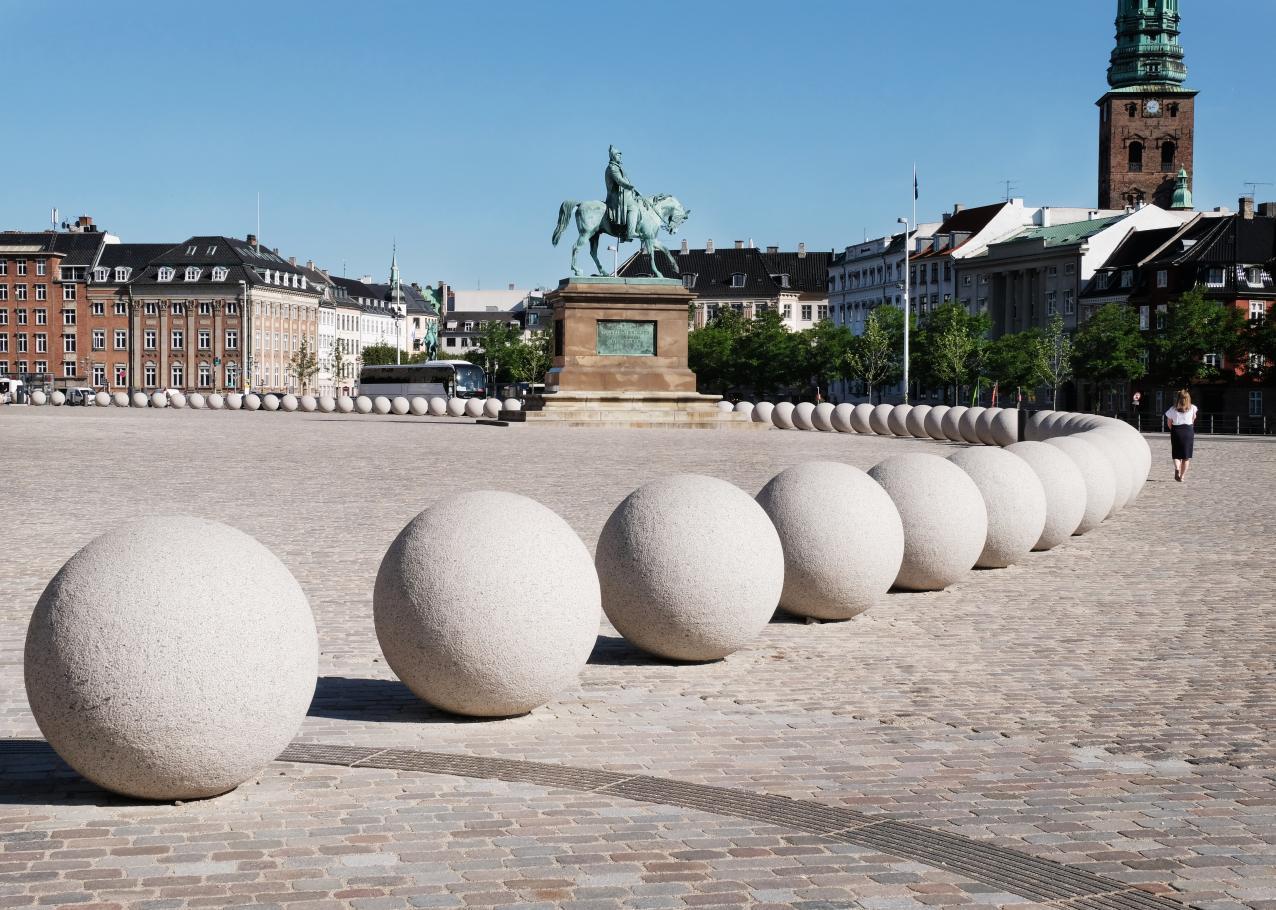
(435, 406)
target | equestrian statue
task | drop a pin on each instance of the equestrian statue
(626, 215)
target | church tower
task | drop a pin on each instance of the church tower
(1147, 119)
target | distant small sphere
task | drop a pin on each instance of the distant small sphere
(897, 420)
(511, 404)
(1015, 499)
(782, 416)
(102, 400)
(983, 426)
(119, 399)
(483, 643)
(935, 422)
(762, 412)
(474, 407)
(235, 400)
(177, 400)
(880, 419)
(363, 404)
(196, 401)
(327, 404)
(951, 423)
(841, 418)
(159, 400)
(492, 408)
(438, 406)
(966, 426)
(252, 401)
(345, 404)
(916, 422)
(140, 400)
(57, 398)
(822, 417)
(39, 398)
(289, 403)
(862, 418)
(308, 403)
(842, 537)
(270, 402)
(216, 401)
(400, 405)
(1064, 488)
(419, 406)
(381, 404)
(691, 568)
(725, 406)
(456, 407)
(802, 413)
(944, 516)
(1100, 480)
(744, 407)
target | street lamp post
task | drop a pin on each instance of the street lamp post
(246, 319)
(908, 307)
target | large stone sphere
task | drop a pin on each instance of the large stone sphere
(474, 407)
(289, 402)
(171, 677)
(57, 398)
(119, 399)
(861, 418)
(327, 404)
(456, 407)
(1064, 488)
(841, 418)
(842, 537)
(762, 412)
(879, 419)
(915, 423)
(102, 400)
(438, 406)
(196, 400)
(1003, 427)
(983, 426)
(1137, 452)
(744, 407)
(1032, 429)
(216, 401)
(478, 642)
(252, 401)
(897, 420)
(140, 400)
(400, 405)
(951, 423)
(363, 404)
(492, 408)
(381, 404)
(802, 413)
(270, 402)
(782, 415)
(39, 398)
(945, 519)
(935, 421)
(691, 568)
(1122, 468)
(419, 406)
(159, 400)
(511, 404)
(308, 403)
(966, 426)
(725, 406)
(1100, 480)
(177, 400)
(345, 404)
(1015, 499)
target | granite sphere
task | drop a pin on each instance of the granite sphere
(419, 406)
(1099, 476)
(399, 405)
(511, 404)
(177, 400)
(39, 398)
(841, 418)
(1004, 427)
(308, 403)
(270, 402)
(945, 519)
(691, 568)
(1015, 499)
(381, 404)
(983, 426)
(363, 404)
(762, 412)
(166, 678)
(456, 407)
(1123, 469)
(438, 406)
(102, 400)
(252, 401)
(916, 422)
(879, 419)
(782, 416)
(473, 641)
(345, 404)
(235, 400)
(289, 402)
(966, 426)
(862, 418)
(474, 407)
(744, 407)
(725, 406)
(951, 423)
(897, 420)
(1064, 488)
(935, 421)
(139, 400)
(57, 398)
(327, 404)
(159, 399)
(196, 400)
(492, 408)
(803, 412)
(822, 417)
(842, 536)
(1137, 452)
(1033, 428)
(216, 401)
(119, 399)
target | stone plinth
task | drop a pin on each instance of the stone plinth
(643, 410)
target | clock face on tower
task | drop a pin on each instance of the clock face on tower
(1152, 107)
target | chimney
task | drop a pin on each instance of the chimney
(292, 261)
(958, 208)
(325, 272)
(1247, 208)
(1267, 210)
(84, 223)
(739, 244)
(708, 247)
(773, 249)
(685, 248)
(252, 241)
(801, 251)
(511, 285)
(752, 245)
(310, 264)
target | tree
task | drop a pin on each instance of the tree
(874, 358)
(1054, 358)
(1195, 327)
(712, 351)
(767, 356)
(380, 354)
(497, 342)
(338, 360)
(304, 364)
(533, 358)
(823, 348)
(1011, 361)
(951, 347)
(1260, 344)
(1109, 348)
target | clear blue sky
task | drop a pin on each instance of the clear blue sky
(458, 128)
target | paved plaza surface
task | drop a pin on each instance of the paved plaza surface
(1109, 705)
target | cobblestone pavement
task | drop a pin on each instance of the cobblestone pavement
(1109, 704)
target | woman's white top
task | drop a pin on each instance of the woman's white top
(1179, 418)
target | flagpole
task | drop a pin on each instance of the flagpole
(908, 303)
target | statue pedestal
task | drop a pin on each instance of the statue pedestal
(620, 359)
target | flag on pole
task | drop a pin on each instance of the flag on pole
(54, 218)
(916, 194)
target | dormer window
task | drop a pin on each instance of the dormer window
(122, 273)
(192, 273)
(101, 274)
(784, 281)
(737, 279)
(212, 250)
(190, 250)
(689, 281)
(219, 273)
(165, 273)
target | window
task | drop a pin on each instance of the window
(232, 375)
(22, 343)
(1160, 318)
(121, 308)
(1215, 278)
(232, 309)
(205, 375)
(232, 339)
(1254, 277)
(122, 273)
(21, 266)
(177, 308)
(165, 273)
(20, 315)
(99, 340)
(41, 317)
(787, 311)
(190, 250)
(1144, 320)
(178, 374)
(68, 369)
(205, 308)
(151, 336)
(19, 292)
(1163, 278)
(1257, 311)
(1136, 157)
(4, 317)
(68, 344)
(150, 374)
(121, 340)
(4, 292)
(219, 273)
(98, 308)
(121, 375)
(41, 343)
(1212, 360)
(1168, 151)
(4, 267)
(1256, 403)
(1127, 278)
(99, 375)
(451, 342)
(1051, 303)
(806, 312)
(737, 279)
(192, 273)
(205, 339)
(1070, 268)
(68, 292)
(178, 338)
(4, 346)
(784, 281)
(41, 292)
(68, 317)
(101, 273)
(151, 308)
(42, 366)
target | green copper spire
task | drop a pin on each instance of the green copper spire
(1147, 51)
(394, 270)
(1182, 193)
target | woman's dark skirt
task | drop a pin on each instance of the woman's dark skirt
(1181, 438)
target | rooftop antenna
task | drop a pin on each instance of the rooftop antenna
(1253, 186)
(1011, 186)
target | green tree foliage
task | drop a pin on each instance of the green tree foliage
(1109, 348)
(951, 347)
(381, 354)
(821, 353)
(497, 350)
(1260, 345)
(533, 357)
(304, 364)
(876, 358)
(1011, 361)
(712, 351)
(1194, 327)
(1054, 358)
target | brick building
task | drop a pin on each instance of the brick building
(105, 326)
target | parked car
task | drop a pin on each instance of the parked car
(9, 390)
(81, 395)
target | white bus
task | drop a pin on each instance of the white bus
(444, 378)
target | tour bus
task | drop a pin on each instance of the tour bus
(444, 378)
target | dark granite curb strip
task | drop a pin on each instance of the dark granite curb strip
(1037, 879)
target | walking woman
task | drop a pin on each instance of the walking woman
(1179, 420)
